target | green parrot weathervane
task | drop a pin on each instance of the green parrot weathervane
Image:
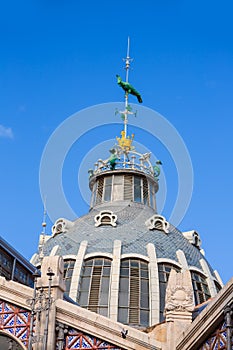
(128, 88)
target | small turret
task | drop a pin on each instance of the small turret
(126, 175)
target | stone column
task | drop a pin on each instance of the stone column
(114, 284)
(210, 281)
(182, 259)
(48, 312)
(153, 285)
(77, 270)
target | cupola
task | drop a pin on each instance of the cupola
(126, 175)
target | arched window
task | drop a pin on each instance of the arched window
(7, 342)
(200, 287)
(68, 272)
(94, 286)
(133, 307)
(164, 272)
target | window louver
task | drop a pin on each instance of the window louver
(159, 225)
(200, 286)
(128, 187)
(100, 187)
(134, 293)
(106, 220)
(95, 287)
(145, 191)
(134, 300)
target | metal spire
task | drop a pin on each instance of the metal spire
(44, 218)
(43, 233)
(127, 60)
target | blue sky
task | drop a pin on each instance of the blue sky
(58, 57)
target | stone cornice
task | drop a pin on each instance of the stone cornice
(102, 327)
(15, 293)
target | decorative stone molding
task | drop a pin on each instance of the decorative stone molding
(202, 326)
(179, 294)
(180, 299)
(61, 331)
(182, 259)
(157, 222)
(61, 226)
(55, 263)
(105, 217)
(193, 237)
(178, 306)
(97, 255)
(135, 256)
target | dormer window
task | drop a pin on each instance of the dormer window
(157, 222)
(105, 217)
(193, 237)
(61, 226)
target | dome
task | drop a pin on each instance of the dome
(131, 229)
(118, 257)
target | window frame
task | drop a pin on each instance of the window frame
(134, 187)
(164, 269)
(133, 301)
(200, 287)
(94, 287)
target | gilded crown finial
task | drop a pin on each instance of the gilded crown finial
(125, 142)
